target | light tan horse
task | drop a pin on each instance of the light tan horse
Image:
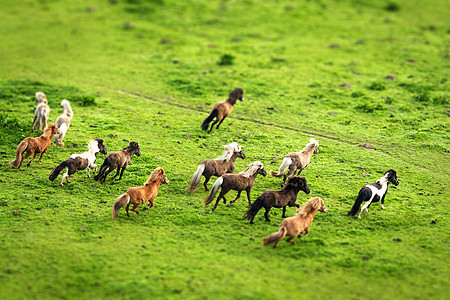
(41, 113)
(142, 194)
(63, 122)
(293, 226)
(34, 145)
(297, 160)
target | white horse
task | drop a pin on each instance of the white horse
(297, 160)
(63, 122)
(81, 161)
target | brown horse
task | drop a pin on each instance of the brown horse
(216, 167)
(222, 109)
(297, 160)
(41, 113)
(34, 146)
(293, 226)
(142, 194)
(279, 199)
(238, 182)
(119, 160)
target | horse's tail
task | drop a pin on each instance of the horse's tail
(275, 237)
(359, 200)
(120, 201)
(59, 136)
(58, 170)
(20, 150)
(195, 179)
(256, 206)
(214, 190)
(211, 116)
(102, 170)
(284, 165)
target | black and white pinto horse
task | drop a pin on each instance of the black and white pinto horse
(82, 161)
(373, 192)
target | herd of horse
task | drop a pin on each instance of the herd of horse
(222, 167)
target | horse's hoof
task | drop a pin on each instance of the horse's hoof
(145, 208)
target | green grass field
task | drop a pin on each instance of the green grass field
(368, 79)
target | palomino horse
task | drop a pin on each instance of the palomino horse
(297, 160)
(34, 146)
(81, 161)
(63, 122)
(293, 226)
(238, 182)
(142, 194)
(216, 167)
(222, 109)
(280, 199)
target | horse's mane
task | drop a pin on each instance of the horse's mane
(153, 177)
(93, 145)
(252, 169)
(229, 150)
(67, 109)
(48, 131)
(311, 206)
(312, 144)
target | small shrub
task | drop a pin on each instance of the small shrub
(357, 94)
(441, 100)
(226, 60)
(389, 100)
(369, 107)
(83, 100)
(423, 96)
(377, 86)
(392, 6)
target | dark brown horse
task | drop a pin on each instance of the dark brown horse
(238, 182)
(216, 167)
(222, 109)
(119, 160)
(279, 199)
(34, 145)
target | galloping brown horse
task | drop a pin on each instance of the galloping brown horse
(222, 109)
(34, 146)
(238, 182)
(142, 194)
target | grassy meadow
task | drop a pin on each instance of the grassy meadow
(367, 79)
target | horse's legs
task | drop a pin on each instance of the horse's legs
(214, 123)
(127, 209)
(266, 214)
(237, 197)
(364, 207)
(284, 212)
(221, 195)
(34, 156)
(117, 173)
(87, 172)
(150, 204)
(306, 231)
(206, 181)
(217, 127)
(121, 172)
(94, 166)
(134, 208)
(42, 153)
(248, 197)
(106, 174)
(34, 121)
(290, 240)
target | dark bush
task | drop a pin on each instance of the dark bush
(226, 60)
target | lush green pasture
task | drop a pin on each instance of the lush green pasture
(149, 71)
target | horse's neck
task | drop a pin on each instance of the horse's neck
(231, 101)
(153, 186)
(47, 135)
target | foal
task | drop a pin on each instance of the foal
(293, 226)
(140, 195)
(216, 167)
(41, 113)
(81, 161)
(279, 199)
(373, 192)
(222, 109)
(238, 182)
(63, 122)
(34, 146)
(297, 160)
(119, 160)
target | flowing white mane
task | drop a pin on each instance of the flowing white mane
(93, 146)
(252, 169)
(40, 96)
(312, 144)
(229, 150)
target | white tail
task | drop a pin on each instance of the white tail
(195, 179)
(214, 190)
(284, 165)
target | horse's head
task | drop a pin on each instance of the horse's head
(391, 176)
(262, 171)
(237, 94)
(314, 143)
(52, 128)
(41, 98)
(135, 148)
(322, 206)
(298, 183)
(101, 146)
(158, 175)
(238, 150)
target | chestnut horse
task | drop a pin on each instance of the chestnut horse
(297, 160)
(222, 109)
(279, 199)
(142, 194)
(34, 145)
(119, 160)
(238, 182)
(293, 226)
(216, 167)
